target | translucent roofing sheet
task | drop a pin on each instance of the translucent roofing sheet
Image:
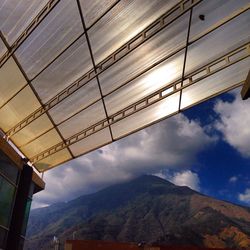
(122, 23)
(83, 120)
(91, 142)
(16, 15)
(46, 140)
(226, 38)
(59, 29)
(93, 9)
(67, 68)
(32, 130)
(11, 81)
(148, 115)
(158, 77)
(53, 160)
(24, 103)
(79, 100)
(157, 48)
(215, 84)
(3, 48)
(78, 75)
(214, 11)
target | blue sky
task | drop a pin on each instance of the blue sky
(206, 148)
(224, 171)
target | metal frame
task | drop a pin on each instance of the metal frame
(92, 73)
(185, 57)
(93, 62)
(35, 93)
(169, 89)
(194, 77)
(35, 22)
(68, 46)
(164, 20)
(150, 124)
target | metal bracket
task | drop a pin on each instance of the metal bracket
(245, 92)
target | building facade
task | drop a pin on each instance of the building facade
(18, 183)
(107, 245)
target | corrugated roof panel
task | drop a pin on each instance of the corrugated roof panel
(146, 116)
(158, 77)
(46, 140)
(3, 48)
(83, 120)
(53, 160)
(16, 15)
(67, 68)
(157, 48)
(92, 10)
(122, 23)
(214, 11)
(224, 39)
(23, 104)
(91, 142)
(215, 84)
(32, 130)
(73, 87)
(81, 99)
(59, 29)
(11, 81)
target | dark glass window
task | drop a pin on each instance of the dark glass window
(26, 217)
(31, 191)
(3, 234)
(8, 168)
(21, 244)
(7, 192)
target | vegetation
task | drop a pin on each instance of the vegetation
(147, 209)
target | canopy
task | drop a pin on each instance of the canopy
(78, 74)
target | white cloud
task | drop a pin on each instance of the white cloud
(245, 197)
(234, 123)
(162, 175)
(233, 179)
(187, 178)
(37, 204)
(181, 178)
(171, 144)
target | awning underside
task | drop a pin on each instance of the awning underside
(77, 74)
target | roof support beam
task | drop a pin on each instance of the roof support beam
(245, 92)
(93, 62)
(231, 58)
(35, 93)
(75, 86)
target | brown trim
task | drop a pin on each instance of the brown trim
(40, 184)
(11, 153)
(17, 159)
(245, 92)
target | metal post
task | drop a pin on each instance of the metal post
(56, 243)
(245, 92)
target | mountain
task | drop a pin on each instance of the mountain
(148, 209)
